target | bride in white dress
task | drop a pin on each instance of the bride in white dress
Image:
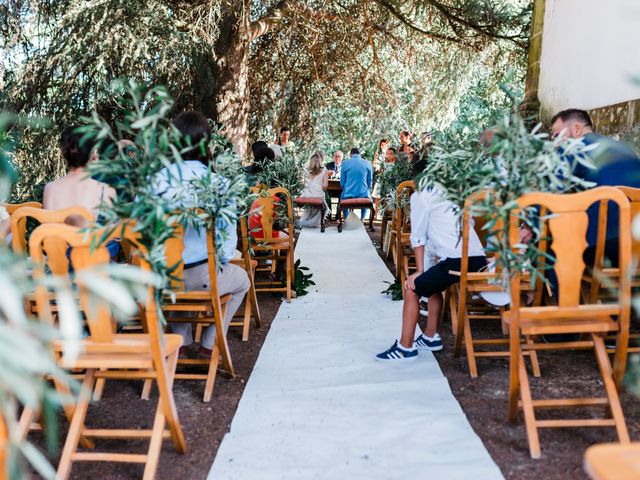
(317, 182)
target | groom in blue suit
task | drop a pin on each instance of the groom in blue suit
(356, 178)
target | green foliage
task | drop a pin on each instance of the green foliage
(137, 171)
(27, 361)
(394, 289)
(365, 67)
(303, 280)
(517, 161)
(288, 171)
(393, 175)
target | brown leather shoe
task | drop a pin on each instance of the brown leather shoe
(183, 352)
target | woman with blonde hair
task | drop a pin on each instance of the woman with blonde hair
(317, 182)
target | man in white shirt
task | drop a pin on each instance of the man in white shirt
(434, 226)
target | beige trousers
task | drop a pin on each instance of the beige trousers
(231, 279)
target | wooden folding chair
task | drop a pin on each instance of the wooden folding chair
(206, 307)
(401, 232)
(602, 280)
(613, 461)
(386, 223)
(567, 226)
(249, 264)
(272, 248)
(464, 297)
(20, 216)
(104, 354)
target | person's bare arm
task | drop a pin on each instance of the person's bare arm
(418, 252)
(325, 179)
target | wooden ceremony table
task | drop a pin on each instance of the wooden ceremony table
(334, 190)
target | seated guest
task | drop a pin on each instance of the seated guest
(433, 225)
(316, 185)
(76, 188)
(262, 154)
(231, 278)
(614, 163)
(335, 164)
(255, 218)
(355, 178)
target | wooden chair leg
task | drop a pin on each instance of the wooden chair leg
(69, 409)
(527, 409)
(456, 321)
(514, 375)
(223, 346)
(453, 308)
(27, 418)
(372, 214)
(211, 374)
(620, 358)
(246, 322)
(533, 357)
(606, 372)
(165, 390)
(468, 345)
(339, 212)
(146, 389)
(99, 389)
(76, 427)
(155, 445)
(254, 301)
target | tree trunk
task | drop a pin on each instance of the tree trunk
(231, 95)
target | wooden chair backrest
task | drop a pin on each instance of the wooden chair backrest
(83, 256)
(633, 195)
(21, 215)
(174, 247)
(567, 226)
(402, 215)
(487, 236)
(12, 207)
(267, 206)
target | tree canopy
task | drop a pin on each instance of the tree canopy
(336, 71)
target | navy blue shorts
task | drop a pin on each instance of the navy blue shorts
(437, 279)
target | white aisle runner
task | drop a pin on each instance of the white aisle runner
(317, 404)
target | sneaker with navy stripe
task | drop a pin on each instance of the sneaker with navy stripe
(433, 344)
(397, 353)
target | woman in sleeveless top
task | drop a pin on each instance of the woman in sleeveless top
(317, 183)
